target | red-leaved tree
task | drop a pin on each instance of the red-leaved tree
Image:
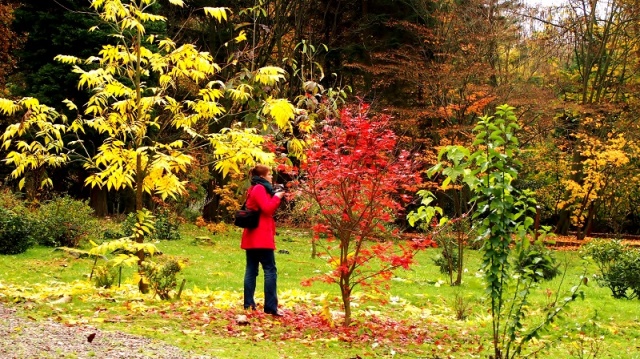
(359, 181)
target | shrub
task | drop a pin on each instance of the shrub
(191, 214)
(126, 228)
(165, 227)
(618, 265)
(11, 201)
(162, 276)
(217, 228)
(15, 232)
(105, 276)
(447, 261)
(63, 221)
(538, 261)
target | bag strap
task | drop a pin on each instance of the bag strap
(244, 205)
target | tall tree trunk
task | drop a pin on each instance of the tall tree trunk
(211, 210)
(98, 201)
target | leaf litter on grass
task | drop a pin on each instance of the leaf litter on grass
(308, 318)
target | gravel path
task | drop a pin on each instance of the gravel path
(22, 338)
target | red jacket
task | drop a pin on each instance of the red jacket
(263, 236)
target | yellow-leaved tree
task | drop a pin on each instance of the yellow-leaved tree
(149, 128)
(607, 171)
(154, 106)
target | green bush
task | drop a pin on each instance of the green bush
(15, 232)
(538, 261)
(164, 228)
(619, 267)
(126, 228)
(443, 259)
(63, 221)
(190, 214)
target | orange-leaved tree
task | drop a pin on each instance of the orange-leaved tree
(359, 180)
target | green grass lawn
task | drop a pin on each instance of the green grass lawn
(417, 321)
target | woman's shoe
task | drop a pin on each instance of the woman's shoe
(277, 313)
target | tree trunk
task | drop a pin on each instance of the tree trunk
(460, 257)
(562, 226)
(586, 230)
(139, 181)
(211, 210)
(98, 201)
(346, 301)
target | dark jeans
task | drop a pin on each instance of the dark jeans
(268, 261)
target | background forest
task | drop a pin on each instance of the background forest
(570, 71)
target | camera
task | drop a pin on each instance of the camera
(278, 188)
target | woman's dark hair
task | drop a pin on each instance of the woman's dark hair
(259, 170)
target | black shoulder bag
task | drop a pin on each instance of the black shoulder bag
(246, 218)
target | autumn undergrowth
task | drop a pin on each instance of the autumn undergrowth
(416, 318)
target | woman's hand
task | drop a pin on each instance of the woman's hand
(279, 194)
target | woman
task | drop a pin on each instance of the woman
(259, 243)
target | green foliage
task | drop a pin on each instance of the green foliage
(53, 29)
(447, 260)
(63, 221)
(126, 228)
(15, 232)
(165, 227)
(619, 267)
(10, 200)
(162, 276)
(423, 216)
(538, 261)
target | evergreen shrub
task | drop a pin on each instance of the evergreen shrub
(15, 232)
(64, 222)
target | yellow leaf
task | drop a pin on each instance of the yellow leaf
(269, 75)
(241, 37)
(67, 59)
(281, 110)
(219, 13)
(70, 105)
(47, 182)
